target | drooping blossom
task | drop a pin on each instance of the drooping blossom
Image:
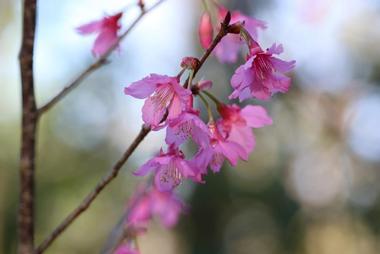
(238, 122)
(228, 49)
(107, 29)
(205, 30)
(220, 148)
(145, 205)
(262, 75)
(126, 248)
(169, 168)
(164, 96)
(187, 125)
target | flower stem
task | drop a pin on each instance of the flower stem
(209, 112)
(190, 79)
(212, 97)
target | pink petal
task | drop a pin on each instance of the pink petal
(175, 108)
(201, 160)
(279, 83)
(168, 176)
(241, 81)
(150, 165)
(155, 106)
(232, 151)
(256, 116)
(184, 167)
(105, 40)
(243, 75)
(91, 27)
(244, 137)
(167, 207)
(228, 49)
(188, 125)
(145, 87)
(281, 65)
(275, 49)
(252, 25)
(216, 161)
(260, 89)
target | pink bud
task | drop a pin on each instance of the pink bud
(205, 30)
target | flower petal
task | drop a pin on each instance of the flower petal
(105, 40)
(145, 87)
(256, 116)
(91, 27)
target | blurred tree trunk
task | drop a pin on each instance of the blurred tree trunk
(28, 136)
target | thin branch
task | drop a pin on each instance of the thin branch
(85, 204)
(29, 129)
(99, 63)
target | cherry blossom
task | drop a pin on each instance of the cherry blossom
(107, 29)
(219, 149)
(169, 168)
(154, 203)
(237, 123)
(164, 96)
(187, 125)
(262, 75)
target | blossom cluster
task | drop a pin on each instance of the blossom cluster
(169, 104)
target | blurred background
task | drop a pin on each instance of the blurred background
(312, 184)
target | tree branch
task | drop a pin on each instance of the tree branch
(96, 65)
(28, 136)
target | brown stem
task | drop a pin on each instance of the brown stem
(85, 204)
(99, 63)
(28, 136)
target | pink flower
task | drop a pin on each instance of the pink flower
(187, 125)
(220, 148)
(170, 169)
(237, 123)
(227, 50)
(262, 75)
(165, 95)
(126, 248)
(146, 205)
(107, 29)
(205, 30)
(231, 138)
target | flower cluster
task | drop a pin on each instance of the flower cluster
(169, 104)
